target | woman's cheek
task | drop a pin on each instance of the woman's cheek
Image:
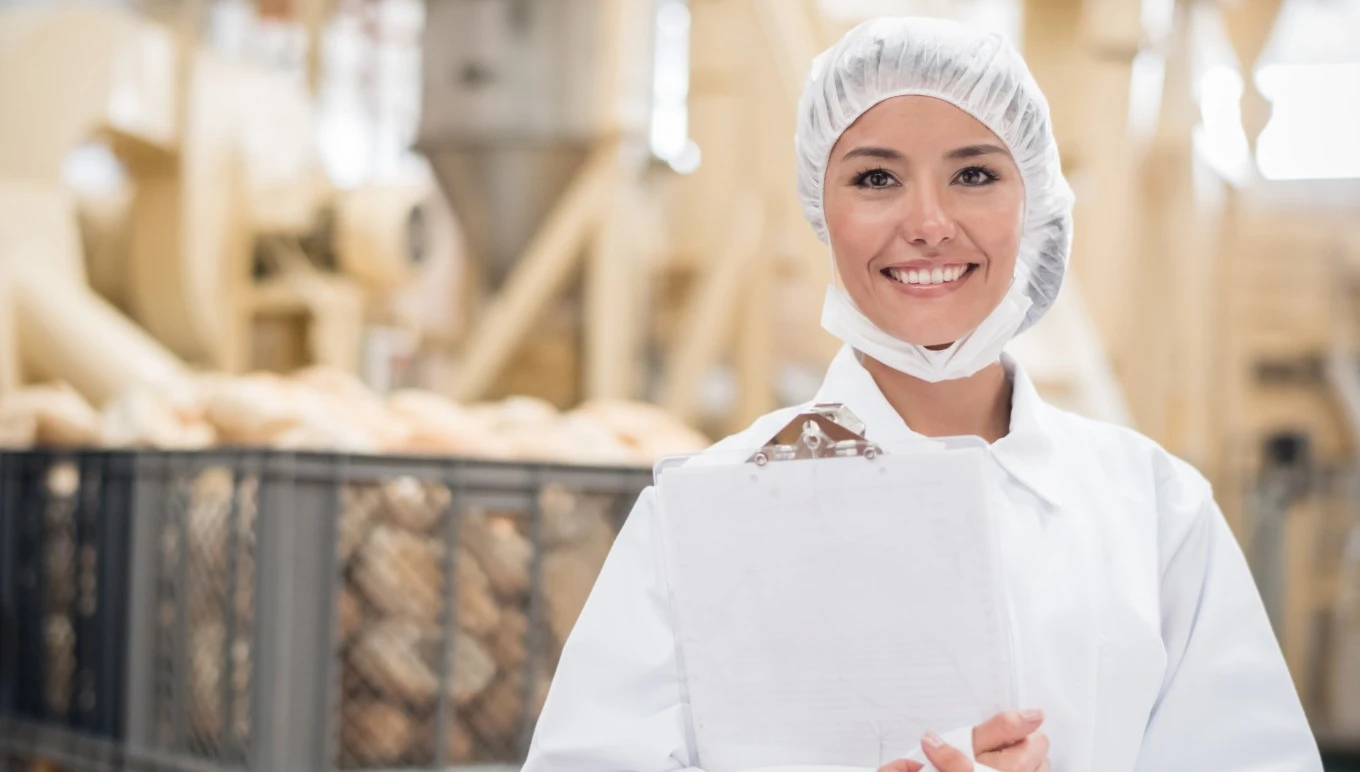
(870, 230)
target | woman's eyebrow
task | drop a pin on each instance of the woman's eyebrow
(973, 151)
(869, 151)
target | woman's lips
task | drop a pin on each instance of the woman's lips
(929, 282)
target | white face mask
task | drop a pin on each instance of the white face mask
(963, 358)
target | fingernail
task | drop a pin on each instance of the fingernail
(1032, 714)
(933, 740)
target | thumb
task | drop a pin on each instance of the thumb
(946, 758)
(1005, 729)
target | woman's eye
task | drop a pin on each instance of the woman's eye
(975, 176)
(875, 178)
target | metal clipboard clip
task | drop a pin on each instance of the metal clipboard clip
(824, 430)
(820, 431)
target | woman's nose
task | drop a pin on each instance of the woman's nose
(924, 219)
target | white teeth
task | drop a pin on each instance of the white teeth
(928, 276)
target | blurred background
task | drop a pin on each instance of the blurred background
(337, 336)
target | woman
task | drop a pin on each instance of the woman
(926, 160)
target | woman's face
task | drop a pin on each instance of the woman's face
(924, 207)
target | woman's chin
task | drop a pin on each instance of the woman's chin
(935, 340)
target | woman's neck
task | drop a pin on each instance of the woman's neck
(978, 405)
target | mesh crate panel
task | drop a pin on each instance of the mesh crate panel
(401, 559)
(324, 611)
(65, 559)
(205, 620)
(394, 563)
(62, 484)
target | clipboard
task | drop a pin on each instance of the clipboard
(832, 601)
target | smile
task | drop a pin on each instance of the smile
(925, 277)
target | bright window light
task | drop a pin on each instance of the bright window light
(1315, 123)
(670, 87)
(1220, 138)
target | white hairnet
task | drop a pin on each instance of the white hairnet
(978, 72)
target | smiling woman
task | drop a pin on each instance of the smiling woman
(924, 209)
(938, 156)
(1138, 642)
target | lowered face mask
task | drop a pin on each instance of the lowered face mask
(963, 358)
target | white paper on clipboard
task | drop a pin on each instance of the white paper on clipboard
(831, 611)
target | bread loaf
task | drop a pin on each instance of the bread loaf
(503, 553)
(375, 732)
(368, 414)
(631, 421)
(568, 577)
(140, 418)
(415, 505)
(509, 641)
(205, 680)
(437, 425)
(401, 573)
(320, 433)
(63, 480)
(582, 439)
(334, 382)
(461, 749)
(253, 409)
(522, 411)
(498, 713)
(59, 659)
(579, 536)
(478, 612)
(398, 657)
(18, 430)
(210, 508)
(572, 518)
(359, 505)
(59, 416)
(651, 431)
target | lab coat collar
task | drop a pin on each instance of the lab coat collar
(1027, 453)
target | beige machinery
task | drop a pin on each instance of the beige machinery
(229, 250)
(532, 120)
(56, 326)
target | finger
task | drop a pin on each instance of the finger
(946, 758)
(1029, 755)
(1005, 729)
(902, 765)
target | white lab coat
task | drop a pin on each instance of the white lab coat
(1138, 629)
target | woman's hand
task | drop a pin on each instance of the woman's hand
(1006, 742)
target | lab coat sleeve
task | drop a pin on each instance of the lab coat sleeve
(1227, 701)
(615, 703)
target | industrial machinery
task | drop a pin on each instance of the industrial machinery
(227, 248)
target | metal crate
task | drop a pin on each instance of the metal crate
(65, 521)
(322, 611)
